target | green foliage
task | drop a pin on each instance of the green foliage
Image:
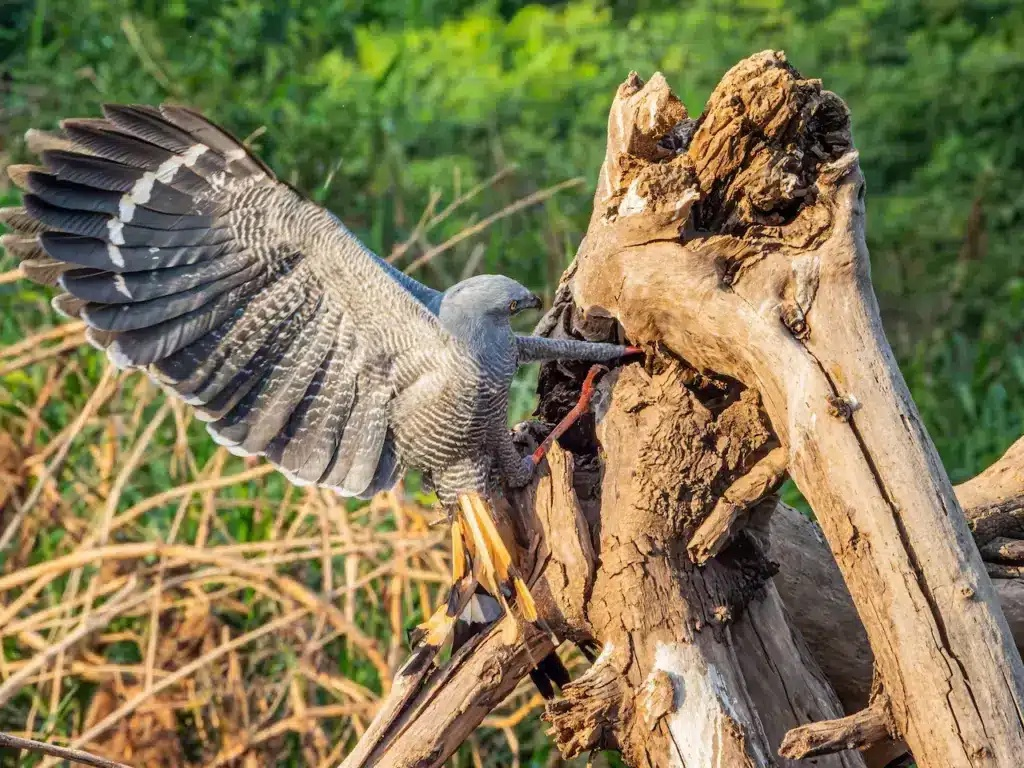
(372, 106)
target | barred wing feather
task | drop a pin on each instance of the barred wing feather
(186, 257)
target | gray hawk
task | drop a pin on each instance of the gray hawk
(187, 258)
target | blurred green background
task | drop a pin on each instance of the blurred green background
(378, 107)
(372, 105)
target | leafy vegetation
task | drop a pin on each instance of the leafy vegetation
(384, 109)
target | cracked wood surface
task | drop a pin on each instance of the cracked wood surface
(860, 730)
(812, 594)
(770, 285)
(674, 626)
(820, 605)
(736, 242)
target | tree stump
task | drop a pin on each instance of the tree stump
(732, 248)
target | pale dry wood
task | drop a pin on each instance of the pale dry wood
(433, 719)
(785, 680)
(996, 497)
(820, 605)
(815, 598)
(422, 722)
(687, 698)
(860, 730)
(731, 510)
(586, 716)
(712, 671)
(430, 711)
(408, 682)
(772, 288)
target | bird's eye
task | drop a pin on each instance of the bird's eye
(512, 307)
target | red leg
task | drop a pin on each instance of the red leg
(586, 394)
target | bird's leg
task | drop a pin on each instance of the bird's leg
(534, 349)
(586, 395)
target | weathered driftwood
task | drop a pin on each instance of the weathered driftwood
(766, 290)
(630, 699)
(733, 508)
(769, 285)
(682, 681)
(860, 731)
(809, 583)
(820, 604)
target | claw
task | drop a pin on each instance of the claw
(434, 631)
(479, 557)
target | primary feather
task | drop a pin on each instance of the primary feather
(186, 257)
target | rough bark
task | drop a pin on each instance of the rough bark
(685, 458)
(733, 247)
(809, 583)
(860, 730)
(769, 284)
(674, 646)
(812, 587)
(822, 610)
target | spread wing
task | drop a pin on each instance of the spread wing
(186, 257)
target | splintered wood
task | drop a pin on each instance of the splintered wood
(731, 247)
(767, 281)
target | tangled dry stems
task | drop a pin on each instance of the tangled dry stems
(163, 603)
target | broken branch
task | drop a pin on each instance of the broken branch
(858, 731)
(732, 509)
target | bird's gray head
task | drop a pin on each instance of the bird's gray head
(494, 295)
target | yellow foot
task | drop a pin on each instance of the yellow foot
(434, 631)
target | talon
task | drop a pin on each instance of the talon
(434, 631)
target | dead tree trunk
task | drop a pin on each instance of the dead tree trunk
(733, 247)
(768, 283)
(424, 722)
(670, 687)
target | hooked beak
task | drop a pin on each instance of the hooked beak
(535, 302)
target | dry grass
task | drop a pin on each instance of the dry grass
(167, 604)
(164, 603)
